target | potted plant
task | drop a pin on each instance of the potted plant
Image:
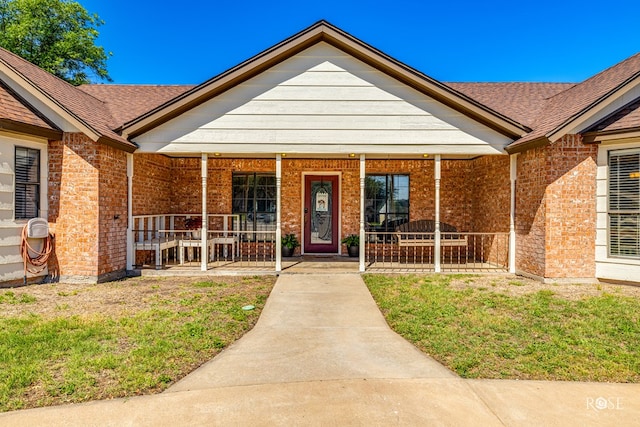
(194, 223)
(353, 244)
(289, 244)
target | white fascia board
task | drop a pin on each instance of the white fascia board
(302, 149)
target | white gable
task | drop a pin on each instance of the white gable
(322, 101)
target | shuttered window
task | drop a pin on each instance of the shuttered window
(624, 203)
(27, 179)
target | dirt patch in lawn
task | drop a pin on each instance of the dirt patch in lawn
(111, 299)
(517, 285)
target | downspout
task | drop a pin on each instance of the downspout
(130, 251)
(513, 169)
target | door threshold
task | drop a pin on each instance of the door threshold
(323, 255)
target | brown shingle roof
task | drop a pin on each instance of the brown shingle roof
(126, 102)
(13, 108)
(544, 107)
(571, 103)
(627, 117)
(89, 110)
(522, 102)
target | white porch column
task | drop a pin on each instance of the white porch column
(130, 251)
(363, 171)
(436, 247)
(204, 250)
(512, 214)
(278, 213)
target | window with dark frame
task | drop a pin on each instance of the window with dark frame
(254, 200)
(27, 183)
(386, 201)
(624, 203)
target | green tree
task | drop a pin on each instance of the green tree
(56, 35)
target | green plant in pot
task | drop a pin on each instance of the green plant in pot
(289, 244)
(353, 244)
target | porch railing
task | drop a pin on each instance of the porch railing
(459, 252)
(161, 240)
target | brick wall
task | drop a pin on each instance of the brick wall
(152, 184)
(73, 206)
(530, 211)
(491, 206)
(555, 209)
(490, 194)
(87, 209)
(113, 211)
(571, 208)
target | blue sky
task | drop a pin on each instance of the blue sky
(161, 42)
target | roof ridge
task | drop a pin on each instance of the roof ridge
(137, 85)
(510, 82)
(602, 73)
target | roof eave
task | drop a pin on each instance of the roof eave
(126, 146)
(604, 136)
(322, 31)
(28, 129)
(519, 147)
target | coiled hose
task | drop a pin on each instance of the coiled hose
(37, 262)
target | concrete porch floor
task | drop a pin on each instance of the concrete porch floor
(306, 264)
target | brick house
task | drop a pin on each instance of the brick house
(323, 136)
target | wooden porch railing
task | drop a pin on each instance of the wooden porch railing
(159, 240)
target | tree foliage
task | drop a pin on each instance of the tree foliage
(56, 35)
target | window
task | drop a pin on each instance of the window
(27, 178)
(624, 203)
(254, 199)
(386, 201)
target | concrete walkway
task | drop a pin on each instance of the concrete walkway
(322, 354)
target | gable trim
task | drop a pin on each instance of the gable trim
(582, 118)
(323, 32)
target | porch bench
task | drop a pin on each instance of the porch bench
(424, 230)
(158, 245)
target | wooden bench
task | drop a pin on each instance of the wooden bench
(422, 233)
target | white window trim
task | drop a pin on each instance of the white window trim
(610, 267)
(36, 144)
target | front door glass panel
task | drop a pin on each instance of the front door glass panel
(321, 216)
(321, 213)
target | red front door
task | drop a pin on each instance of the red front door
(321, 214)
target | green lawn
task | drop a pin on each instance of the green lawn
(120, 339)
(488, 332)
